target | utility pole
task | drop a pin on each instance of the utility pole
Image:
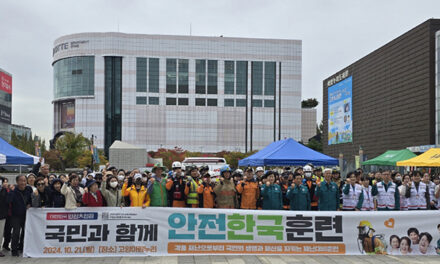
(92, 148)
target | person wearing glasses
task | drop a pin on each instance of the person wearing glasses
(41, 195)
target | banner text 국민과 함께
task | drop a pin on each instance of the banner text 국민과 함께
(156, 231)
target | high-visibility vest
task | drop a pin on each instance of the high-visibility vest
(351, 199)
(417, 200)
(385, 199)
(193, 196)
(368, 203)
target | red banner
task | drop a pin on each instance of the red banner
(6, 82)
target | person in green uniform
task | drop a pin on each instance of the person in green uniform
(271, 192)
(328, 193)
(156, 187)
(298, 194)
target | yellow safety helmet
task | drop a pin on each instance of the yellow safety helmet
(365, 223)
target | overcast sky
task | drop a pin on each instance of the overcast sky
(335, 33)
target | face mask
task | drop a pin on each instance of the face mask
(398, 178)
(308, 174)
(121, 177)
(113, 184)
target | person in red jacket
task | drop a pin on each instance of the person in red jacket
(92, 196)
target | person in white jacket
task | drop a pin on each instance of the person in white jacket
(402, 191)
(73, 192)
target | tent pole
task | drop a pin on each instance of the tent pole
(20, 168)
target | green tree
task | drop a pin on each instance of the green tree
(85, 159)
(53, 158)
(71, 147)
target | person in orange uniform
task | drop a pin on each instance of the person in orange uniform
(311, 183)
(249, 190)
(137, 193)
(207, 196)
(176, 186)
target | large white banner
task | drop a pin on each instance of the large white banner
(112, 231)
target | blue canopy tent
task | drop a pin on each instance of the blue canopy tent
(9, 155)
(287, 152)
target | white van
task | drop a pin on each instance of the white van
(213, 163)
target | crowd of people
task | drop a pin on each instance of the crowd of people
(301, 188)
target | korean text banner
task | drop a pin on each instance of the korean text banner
(5, 82)
(340, 125)
(113, 231)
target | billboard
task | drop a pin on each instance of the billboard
(5, 82)
(68, 114)
(340, 125)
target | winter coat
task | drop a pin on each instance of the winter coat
(137, 198)
(4, 205)
(90, 200)
(158, 192)
(70, 196)
(56, 198)
(19, 201)
(272, 197)
(42, 199)
(207, 195)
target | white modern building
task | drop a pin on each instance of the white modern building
(204, 94)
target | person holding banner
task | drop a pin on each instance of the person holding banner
(366, 200)
(205, 191)
(327, 193)
(271, 193)
(137, 193)
(417, 193)
(298, 194)
(110, 190)
(157, 187)
(249, 190)
(176, 186)
(351, 193)
(387, 194)
(225, 189)
(20, 200)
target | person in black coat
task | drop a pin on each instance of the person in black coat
(41, 170)
(20, 200)
(4, 207)
(56, 198)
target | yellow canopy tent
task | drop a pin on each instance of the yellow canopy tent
(430, 158)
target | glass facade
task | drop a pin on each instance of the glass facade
(141, 74)
(74, 77)
(183, 76)
(141, 100)
(212, 102)
(257, 103)
(200, 102)
(242, 74)
(257, 77)
(200, 76)
(269, 77)
(153, 100)
(153, 75)
(113, 101)
(240, 102)
(171, 75)
(212, 77)
(269, 103)
(171, 101)
(183, 101)
(229, 77)
(229, 102)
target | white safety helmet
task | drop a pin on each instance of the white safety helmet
(260, 169)
(176, 165)
(307, 171)
(238, 171)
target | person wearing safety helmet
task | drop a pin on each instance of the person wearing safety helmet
(157, 187)
(327, 193)
(311, 184)
(206, 192)
(225, 189)
(259, 172)
(176, 186)
(192, 184)
(371, 244)
(249, 191)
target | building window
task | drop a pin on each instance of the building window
(269, 103)
(242, 74)
(183, 101)
(269, 78)
(229, 77)
(257, 77)
(240, 102)
(74, 76)
(200, 102)
(153, 100)
(171, 101)
(153, 75)
(141, 74)
(212, 102)
(141, 100)
(171, 75)
(113, 99)
(183, 76)
(212, 77)
(229, 102)
(257, 103)
(200, 77)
